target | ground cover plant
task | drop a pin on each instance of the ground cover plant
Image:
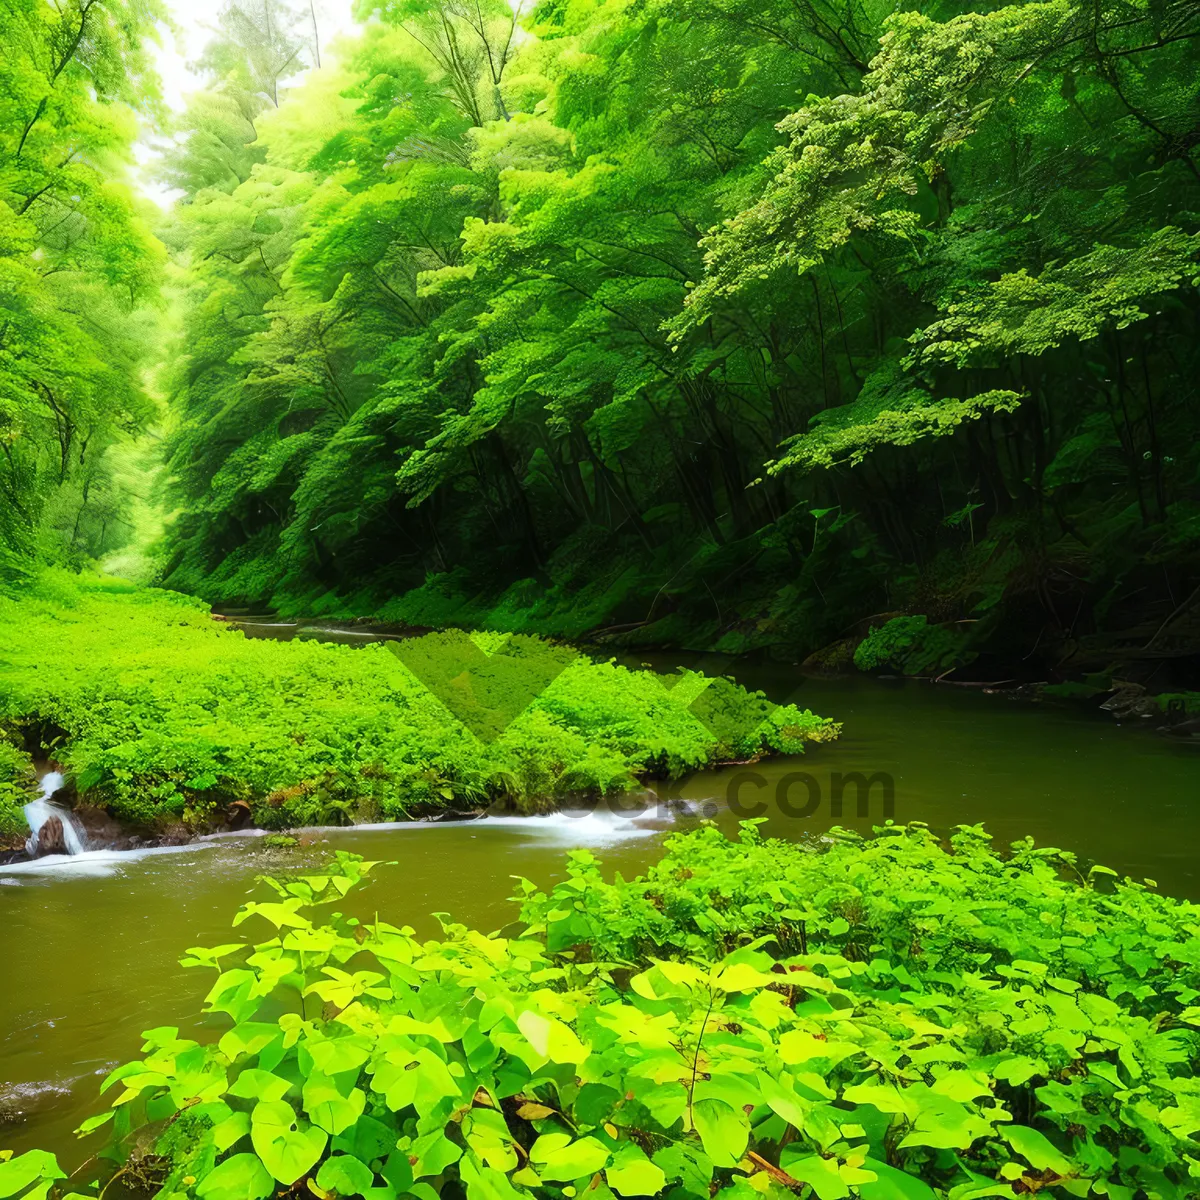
(159, 713)
(17, 788)
(902, 1031)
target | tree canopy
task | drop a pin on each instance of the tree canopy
(697, 320)
(80, 268)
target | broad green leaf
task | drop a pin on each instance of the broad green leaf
(821, 1174)
(333, 1056)
(741, 977)
(18, 1173)
(551, 1038)
(631, 1173)
(944, 1124)
(484, 1183)
(250, 1037)
(242, 1177)
(94, 1123)
(1037, 1149)
(254, 1084)
(723, 1130)
(893, 1184)
(328, 1107)
(558, 1157)
(231, 1130)
(368, 1139)
(345, 1175)
(434, 1152)
(287, 1147)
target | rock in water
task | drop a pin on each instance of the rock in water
(52, 838)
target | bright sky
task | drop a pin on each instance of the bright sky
(196, 19)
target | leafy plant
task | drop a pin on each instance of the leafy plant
(967, 1060)
(911, 645)
(17, 788)
(167, 715)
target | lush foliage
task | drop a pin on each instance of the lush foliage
(910, 645)
(586, 326)
(16, 790)
(163, 713)
(78, 269)
(898, 1020)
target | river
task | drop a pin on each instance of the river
(90, 948)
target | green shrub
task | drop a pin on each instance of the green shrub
(901, 1027)
(913, 646)
(903, 897)
(17, 787)
(169, 715)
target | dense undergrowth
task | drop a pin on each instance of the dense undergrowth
(159, 713)
(16, 790)
(893, 1019)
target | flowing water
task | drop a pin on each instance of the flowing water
(43, 809)
(89, 944)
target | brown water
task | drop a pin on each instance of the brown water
(89, 950)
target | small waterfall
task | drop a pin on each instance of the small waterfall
(39, 811)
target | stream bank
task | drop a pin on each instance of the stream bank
(92, 944)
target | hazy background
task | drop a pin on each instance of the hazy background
(180, 48)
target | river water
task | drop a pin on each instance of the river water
(89, 946)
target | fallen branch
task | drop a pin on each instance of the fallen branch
(775, 1172)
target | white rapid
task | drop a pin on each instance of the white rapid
(39, 811)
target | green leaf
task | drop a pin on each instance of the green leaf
(18, 1173)
(631, 1173)
(893, 1184)
(250, 1037)
(283, 915)
(288, 1149)
(944, 1124)
(230, 1131)
(558, 1157)
(328, 1107)
(254, 1084)
(486, 1132)
(551, 1038)
(241, 1177)
(783, 1099)
(94, 1123)
(434, 1152)
(333, 1056)
(1038, 1150)
(723, 1130)
(742, 977)
(484, 1183)
(367, 1139)
(821, 1174)
(345, 1175)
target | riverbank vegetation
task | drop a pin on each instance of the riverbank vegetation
(162, 715)
(900, 1018)
(17, 788)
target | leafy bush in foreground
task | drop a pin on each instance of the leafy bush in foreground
(362, 1062)
(900, 898)
(170, 715)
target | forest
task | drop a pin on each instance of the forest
(692, 324)
(646, 553)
